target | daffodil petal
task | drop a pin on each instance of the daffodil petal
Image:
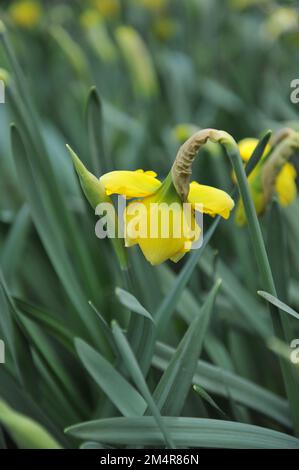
(285, 184)
(165, 234)
(131, 184)
(214, 201)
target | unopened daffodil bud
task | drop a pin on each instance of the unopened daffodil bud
(138, 61)
(95, 194)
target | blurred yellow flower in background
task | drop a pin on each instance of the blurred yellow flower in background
(164, 28)
(89, 18)
(247, 146)
(138, 60)
(153, 5)
(107, 8)
(97, 35)
(285, 182)
(26, 13)
(282, 20)
(183, 131)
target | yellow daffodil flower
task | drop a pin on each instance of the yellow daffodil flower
(144, 184)
(284, 184)
(161, 217)
(25, 13)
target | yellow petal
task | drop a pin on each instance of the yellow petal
(285, 184)
(214, 201)
(137, 183)
(161, 235)
(247, 146)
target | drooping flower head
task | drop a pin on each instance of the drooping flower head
(155, 217)
(273, 174)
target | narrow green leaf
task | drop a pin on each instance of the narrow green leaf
(278, 303)
(250, 309)
(283, 324)
(141, 329)
(187, 432)
(258, 152)
(94, 445)
(229, 385)
(105, 327)
(173, 387)
(203, 394)
(50, 229)
(15, 338)
(11, 252)
(44, 318)
(128, 300)
(136, 374)
(118, 390)
(94, 119)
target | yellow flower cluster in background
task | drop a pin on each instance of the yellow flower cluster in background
(107, 8)
(285, 183)
(282, 20)
(152, 5)
(25, 13)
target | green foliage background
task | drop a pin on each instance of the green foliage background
(150, 356)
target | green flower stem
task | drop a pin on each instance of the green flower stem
(253, 224)
(265, 272)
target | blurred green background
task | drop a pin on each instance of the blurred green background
(161, 69)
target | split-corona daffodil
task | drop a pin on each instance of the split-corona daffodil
(169, 197)
(144, 184)
(272, 166)
(139, 184)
